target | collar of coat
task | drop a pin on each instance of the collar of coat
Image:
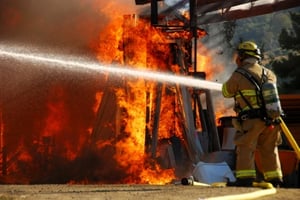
(250, 61)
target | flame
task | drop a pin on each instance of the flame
(98, 98)
(130, 151)
(56, 121)
(129, 43)
(205, 63)
(56, 118)
(187, 35)
(63, 136)
(202, 63)
(222, 110)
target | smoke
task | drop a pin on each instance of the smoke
(32, 96)
(222, 53)
(56, 22)
(54, 26)
(215, 41)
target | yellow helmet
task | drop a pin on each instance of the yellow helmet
(249, 48)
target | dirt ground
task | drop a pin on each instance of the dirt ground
(137, 192)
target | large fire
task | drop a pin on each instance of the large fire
(107, 129)
(127, 42)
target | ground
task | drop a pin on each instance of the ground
(137, 192)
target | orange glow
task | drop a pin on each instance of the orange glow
(98, 98)
(156, 175)
(109, 49)
(222, 111)
(205, 63)
(129, 43)
(202, 62)
(25, 157)
(55, 119)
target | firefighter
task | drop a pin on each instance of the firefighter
(253, 134)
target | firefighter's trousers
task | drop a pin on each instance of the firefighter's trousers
(252, 135)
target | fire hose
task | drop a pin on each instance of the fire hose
(290, 138)
(191, 181)
(267, 189)
(249, 195)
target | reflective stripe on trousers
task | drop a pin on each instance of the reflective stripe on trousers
(272, 174)
(254, 135)
(245, 173)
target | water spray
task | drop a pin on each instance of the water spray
(65, 62)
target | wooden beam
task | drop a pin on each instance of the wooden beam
(214, 5)
(214, 139)
(159, 90)
(195, 148)
(254, 10)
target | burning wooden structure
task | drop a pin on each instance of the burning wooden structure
(190, 120)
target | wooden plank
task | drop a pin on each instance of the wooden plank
(171, 156)
(214, 5)
(203, 136)
(254, 10)
(191, 136)
(148, 137)
(159, 89)
(106, 112)
(212, 123)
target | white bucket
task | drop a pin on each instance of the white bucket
(213, 172)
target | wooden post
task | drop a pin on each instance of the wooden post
(154, 12)
(195, 150)
(159, 89)
(148, 139)
(203, 136)
(215, 142)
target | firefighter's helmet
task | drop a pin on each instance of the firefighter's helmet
(249, 48)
